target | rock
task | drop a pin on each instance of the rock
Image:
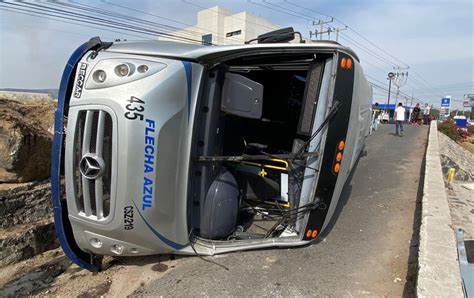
(25, 139)
(26, 221)
(24, 203)
(25, 241)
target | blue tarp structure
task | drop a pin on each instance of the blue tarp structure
(391, 109)
(391, 106)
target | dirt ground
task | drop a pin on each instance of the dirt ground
(51, 273)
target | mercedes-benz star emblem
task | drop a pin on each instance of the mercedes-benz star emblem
(91, 166)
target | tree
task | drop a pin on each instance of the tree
(435, 113)
(460, 113)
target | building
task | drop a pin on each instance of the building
(216, 25)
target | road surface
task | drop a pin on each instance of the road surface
(367, 252)
(370, 250)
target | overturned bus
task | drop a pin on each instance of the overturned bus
(172, 148)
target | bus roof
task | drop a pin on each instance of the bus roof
(201, 53)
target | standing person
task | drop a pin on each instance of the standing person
(399, 119)
(416, 114)
(375, 116)
(426, 115)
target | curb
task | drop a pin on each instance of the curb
(438, 267)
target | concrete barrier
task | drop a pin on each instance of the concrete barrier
(438, 267)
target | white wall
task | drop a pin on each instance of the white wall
(218, 21)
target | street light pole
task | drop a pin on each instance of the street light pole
(391, 75)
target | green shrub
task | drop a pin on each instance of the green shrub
(448, 127)
(470, 129)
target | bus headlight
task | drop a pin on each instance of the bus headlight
(112, 72)
(122, 70)
(99, 76)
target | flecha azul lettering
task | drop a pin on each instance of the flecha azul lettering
(147, 193)
(148, 164)
(80, 80)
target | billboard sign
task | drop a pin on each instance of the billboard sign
(468, 101)
(446, 102)
(445, 107)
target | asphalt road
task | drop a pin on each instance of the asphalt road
(370, 250)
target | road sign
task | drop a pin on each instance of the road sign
(445, 107)
(443, 113)
(446, 102)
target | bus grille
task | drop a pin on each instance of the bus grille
(92, 163)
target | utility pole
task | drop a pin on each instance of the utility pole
(321, 23)
(401, 78)
(337, 32)
(411, 107)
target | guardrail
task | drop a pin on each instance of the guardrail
(438, 267)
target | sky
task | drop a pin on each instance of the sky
(434, 38)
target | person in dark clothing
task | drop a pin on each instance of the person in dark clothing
(416, 114)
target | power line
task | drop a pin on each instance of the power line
(373, 54)
(96, 10)
(66, 22)
(311, 18)
(54, 12)
(320, 22)
(381, 86)
(48, 29)
(282, 11)
(350, 28)
(171, 20)
(417, 77)
(93, 20)
(362, 47)
(121, 17)
(442, 89)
